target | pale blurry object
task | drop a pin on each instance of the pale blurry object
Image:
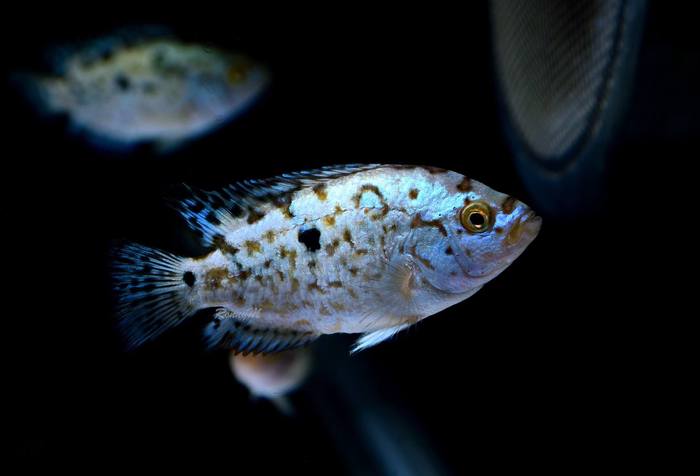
(158, 90)
(565, 70)
(273, 376)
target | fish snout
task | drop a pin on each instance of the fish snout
(525, 227)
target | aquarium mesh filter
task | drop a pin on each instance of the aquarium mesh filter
(564, 71)
(552, 58)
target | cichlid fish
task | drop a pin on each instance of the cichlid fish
(368, 249)
(272, 376)
(156, 90)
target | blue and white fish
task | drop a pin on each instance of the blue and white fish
(157, 90)
(368, 249)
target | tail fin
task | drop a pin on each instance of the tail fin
(153, 292)
(46, 95)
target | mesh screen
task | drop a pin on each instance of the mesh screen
(552, 57)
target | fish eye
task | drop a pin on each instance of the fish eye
(476, 217)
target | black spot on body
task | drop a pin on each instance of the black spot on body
(212, 218)
(188, 278)
(123, 82)
(237, 211)
(311, 238)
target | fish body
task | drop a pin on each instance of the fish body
(157, 90)
(368, 249)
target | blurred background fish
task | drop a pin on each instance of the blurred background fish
(273, 376)
(145, 86)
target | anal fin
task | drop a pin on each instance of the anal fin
(230, 331)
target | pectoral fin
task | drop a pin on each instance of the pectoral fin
(370, 339)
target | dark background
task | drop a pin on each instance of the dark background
(533, 371)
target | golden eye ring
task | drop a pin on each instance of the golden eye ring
(476, 217)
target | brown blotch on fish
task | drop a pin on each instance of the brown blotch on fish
(435, 170)
(292, 254)
(324, 311)
(214, 277)
(329, 220)
(295, 285)
(286, 211)
(252, 247)
(352, 293)
(280, 275)
(269, 235)
(419, 222)
(367, 188)
(312, 264)
(338, 210)
(413, 193)
(347, 236)
(254, 216)
(244, 274)
(320, 191)
(465, 185)
(220, 243)
(361, 252)
(267, 263)
(315, 287)
(508, 205)
(338, 306)
(498, 230)
(302, 323)
(354, 270)
(335, 284)
(448, 251)
(382, 213)
(516, 230)
(423, 260)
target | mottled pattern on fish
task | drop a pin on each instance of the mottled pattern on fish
(158, 89)
(356, 249)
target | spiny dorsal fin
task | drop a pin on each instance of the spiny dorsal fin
(229, 331)
(215, 213)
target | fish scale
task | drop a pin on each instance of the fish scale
(365, 249)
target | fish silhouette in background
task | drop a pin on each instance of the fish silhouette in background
(126, 90)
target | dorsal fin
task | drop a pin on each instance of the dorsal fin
(229, 331)
(214, 213)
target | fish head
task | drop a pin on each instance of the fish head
(226, 85)
(483, 231)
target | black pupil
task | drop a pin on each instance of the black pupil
(477, 219)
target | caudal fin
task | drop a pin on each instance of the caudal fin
(153, 292)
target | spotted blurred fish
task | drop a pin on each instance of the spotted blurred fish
(272, 376)
(155, 89)
(368, 249)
